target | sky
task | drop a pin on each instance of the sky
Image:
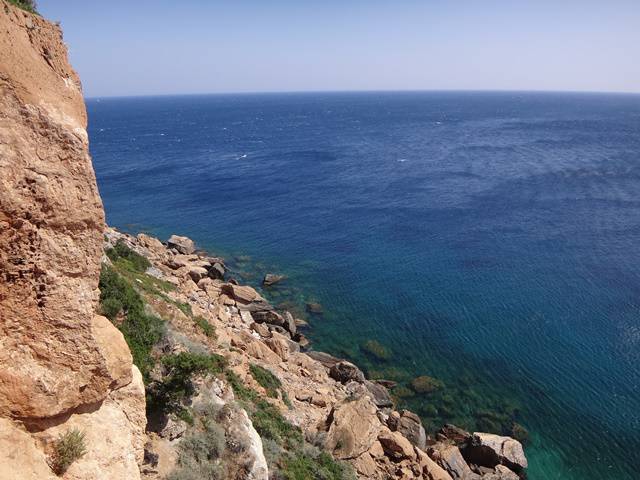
(151, 47)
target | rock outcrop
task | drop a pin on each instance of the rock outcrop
(62, 364)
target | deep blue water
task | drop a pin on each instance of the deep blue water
(490, 240)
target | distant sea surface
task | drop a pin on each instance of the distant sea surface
(488, 240)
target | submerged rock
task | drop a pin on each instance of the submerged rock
(314, 307)
(425, 384)
(271, 279)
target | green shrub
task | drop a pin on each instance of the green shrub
(140, 330)
(177, 385)
(69, 447)
(265, 379)
(127, 258)
(199, 455)
(28, 5)
(269, 423)
(310, 465)
(208, 329)
(239, 389)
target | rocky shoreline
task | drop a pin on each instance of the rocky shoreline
(328, 399)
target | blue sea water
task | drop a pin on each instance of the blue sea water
(489, 240)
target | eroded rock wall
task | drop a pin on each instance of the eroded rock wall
(57, 357)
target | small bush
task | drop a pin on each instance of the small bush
(28, 5)
(265, 379)
(199, 455)
(208, 329)
(269, 423)
(168, 395)
(141, 331)
(69, 447)
(127, 258)
(308, 465)
(239, 389)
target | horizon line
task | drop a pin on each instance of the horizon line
(302, 92)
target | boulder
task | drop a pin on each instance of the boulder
(451, 460)
(430, 469)
(216, 271)
(455, 434)
(409, 425)
(354, 427)
(379, 394)
(325, 359)
(501, 473)
(490, 450)
(183, 245)
(197, 273)
(289, 323)
(395, 446)
(344, 372)
(271, 279)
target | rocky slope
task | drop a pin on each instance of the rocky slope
(223, 386)
(328, 400)
(63, 366)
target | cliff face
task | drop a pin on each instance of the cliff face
(61, 364)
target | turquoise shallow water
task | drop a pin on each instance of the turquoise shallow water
(488, 240)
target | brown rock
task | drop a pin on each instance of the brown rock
(430, 469)
(456, 434)
(152, 244)
(324, 358)
(379, 394)
(20, 457)
(51, 230)
(183, 245)
(345, 372)
(489, 450)
(410, 426)
(395, 446)
(354, 428)
(449, 458)
(197, 273)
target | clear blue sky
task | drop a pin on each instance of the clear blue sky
(198, 46)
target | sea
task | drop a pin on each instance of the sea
(489, 241)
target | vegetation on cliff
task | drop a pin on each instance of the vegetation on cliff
(28, 5)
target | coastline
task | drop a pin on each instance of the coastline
(259, 332)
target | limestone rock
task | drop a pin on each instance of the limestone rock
(455, 434)
(450, 459)
(183, 245)
(345, 372)
(489, 450)
(409, 425)
(20, 458)
(379, 394)
(395, 445)
(51, 230)
(354, 428)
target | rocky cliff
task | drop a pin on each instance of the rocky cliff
(62, 365)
